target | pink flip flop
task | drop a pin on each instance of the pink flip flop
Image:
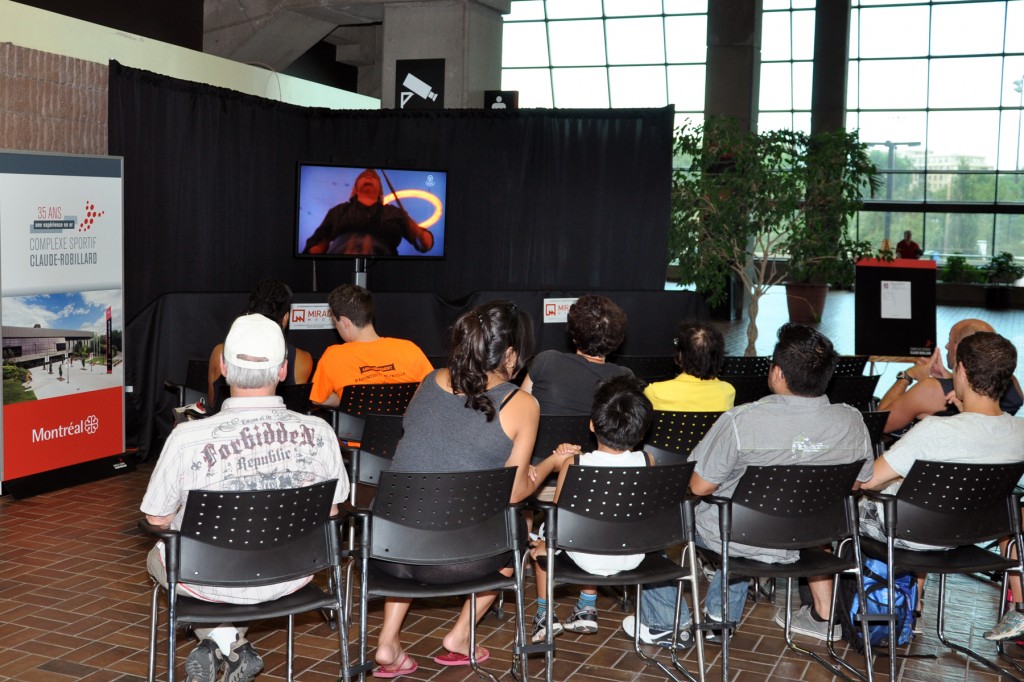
(452, 658)
(397, 671)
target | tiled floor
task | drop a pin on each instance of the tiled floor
(74, 592)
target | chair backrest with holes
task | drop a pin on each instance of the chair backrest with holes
(255, 537)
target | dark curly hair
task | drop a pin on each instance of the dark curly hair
(479, 340)
(270, 298)
(596, 325)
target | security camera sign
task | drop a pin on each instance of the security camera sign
(419, 84)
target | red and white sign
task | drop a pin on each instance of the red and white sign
(557, 309)
(311, 316)
(61, 275)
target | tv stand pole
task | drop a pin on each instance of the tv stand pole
(360, 274)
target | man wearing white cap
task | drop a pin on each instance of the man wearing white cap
(253, 443)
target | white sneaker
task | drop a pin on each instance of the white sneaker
(662, 638)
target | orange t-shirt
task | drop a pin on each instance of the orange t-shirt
(383, 361)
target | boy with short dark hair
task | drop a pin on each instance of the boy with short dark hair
(619, 418)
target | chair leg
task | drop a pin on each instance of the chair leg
(291, 647)
(941, 625)
(151, 675)
(472, 642)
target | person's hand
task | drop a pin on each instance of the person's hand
(562, 454)
(922, 369)
(569, 449)
(936, 367)
(951, 399)
(532, 473)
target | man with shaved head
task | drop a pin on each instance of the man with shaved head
(926, 388)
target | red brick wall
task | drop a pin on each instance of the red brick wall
(51, 103)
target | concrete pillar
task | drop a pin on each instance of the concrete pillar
(831, 53)
(734, 60)
(465, 33)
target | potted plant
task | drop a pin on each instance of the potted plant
(1000, 274)
(741, 203)
(836, 171)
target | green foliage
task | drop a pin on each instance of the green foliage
(743, 199)
(1001, 269)
(15, 372)
(958, 271)
(1004, 269)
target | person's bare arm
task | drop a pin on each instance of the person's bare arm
(519, 419)
(303, 366)
(160, 521)
(213, 374)
(701, 487)
(332, 400)
(922, 398)
(527, 384)
(882, 476)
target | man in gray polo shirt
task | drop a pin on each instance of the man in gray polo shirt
(796, 425)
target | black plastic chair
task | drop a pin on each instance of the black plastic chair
(676, 433)
(875, 422)
(248, 539)
(553, 430)
(648, 368)
(624, 510)
(950, 505)
(358, 400)
(749, 388)
(850, 365)
(796, 508)
(749, 366)
(855, 391)
(437, 519)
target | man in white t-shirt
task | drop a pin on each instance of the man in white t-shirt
(982, 433)
(253, 443)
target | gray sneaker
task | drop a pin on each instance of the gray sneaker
(243, 664)
(582, 620)
(803, 623)
(203, 662)
(1010, 626)
(540, 627)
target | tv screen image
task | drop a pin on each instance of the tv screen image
(355, 211)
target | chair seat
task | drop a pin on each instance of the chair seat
(307, 598)
(966, 559)
(655, 568)
(811, 562)
(379, 583)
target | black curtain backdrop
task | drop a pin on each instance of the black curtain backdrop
(566, 200)
(537, 199)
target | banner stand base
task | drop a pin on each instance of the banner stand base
(85, 472)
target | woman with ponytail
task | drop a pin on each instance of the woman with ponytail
(466, 417)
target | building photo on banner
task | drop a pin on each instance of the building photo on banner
(61, 274)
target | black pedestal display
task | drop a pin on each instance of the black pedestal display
(895, 308)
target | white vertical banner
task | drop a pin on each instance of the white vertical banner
(61, 282)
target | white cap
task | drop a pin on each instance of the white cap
(254, 342)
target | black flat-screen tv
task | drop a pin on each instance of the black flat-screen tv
(360, 212)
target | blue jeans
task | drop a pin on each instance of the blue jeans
(657, 602)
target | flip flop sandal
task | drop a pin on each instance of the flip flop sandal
(396, 671)
(452, 658)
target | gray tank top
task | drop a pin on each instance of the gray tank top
(442, 434)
